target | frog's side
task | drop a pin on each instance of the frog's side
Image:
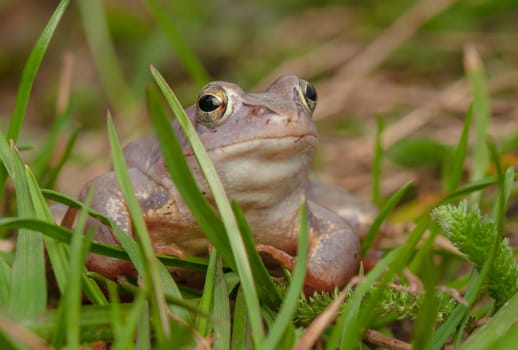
(262, 145)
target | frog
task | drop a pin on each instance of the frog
(262, 145)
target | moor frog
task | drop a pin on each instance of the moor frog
(262, 145)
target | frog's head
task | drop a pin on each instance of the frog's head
(258, 140)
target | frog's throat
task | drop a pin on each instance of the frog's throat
(264, 173)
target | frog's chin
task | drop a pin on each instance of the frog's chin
(266, 171)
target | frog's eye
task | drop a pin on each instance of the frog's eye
(213, 105)
(308, 94)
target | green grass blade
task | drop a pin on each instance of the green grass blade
(56, 251)
(150, 275)
(28, 296)
(41, 163)
(54, 172)
(427, 315)
(221, 309)
(234, 236)
(94, 322)
(29, 74)
(470, 188)
(124, 338)
(181, 175)
(171, 290)
(241, 332)
(207, 297)
(265, 287)
(5, 282)
(457, 167)
(501, 323)
(377, 197)
(481, 113)
(143, 341)
(185, 54)
(97, 33)
(376, 224)
(64, 235)
(346, 327)
(71, 301)
(284, 317)
(30, 70)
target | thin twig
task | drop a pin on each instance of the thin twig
(379, 339)
(22, 335)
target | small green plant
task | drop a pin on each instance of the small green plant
(473, 234)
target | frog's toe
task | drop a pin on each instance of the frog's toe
(333, 259)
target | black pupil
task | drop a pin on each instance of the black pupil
(311, 93)
(208, 103)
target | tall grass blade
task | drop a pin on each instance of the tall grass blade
(124, 338)
(70, 303)
(42, 161)
(234, 236)
(347, 327)
(28, 296)
(377, 197)
(265, 287)
(29, 74)
(151, 277)
(30, 70)
(221, 309)
(181, 175)
(207, 297)
(95, 25)
(501, 324)
(376, 224)
(481, 114)
(54, 172)
(241, 332)
(5, 282)
(56, 251)
(65, 235)
(285, 315)
(455, 173)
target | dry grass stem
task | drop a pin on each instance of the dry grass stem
(386, 342)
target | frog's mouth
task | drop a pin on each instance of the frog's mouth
(267, 147)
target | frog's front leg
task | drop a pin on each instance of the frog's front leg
(333, 252)
(109, 200)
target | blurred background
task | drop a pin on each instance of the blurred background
(400, 60)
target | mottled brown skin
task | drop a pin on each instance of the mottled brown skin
(262, 145)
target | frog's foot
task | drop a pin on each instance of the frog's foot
(281, 256)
